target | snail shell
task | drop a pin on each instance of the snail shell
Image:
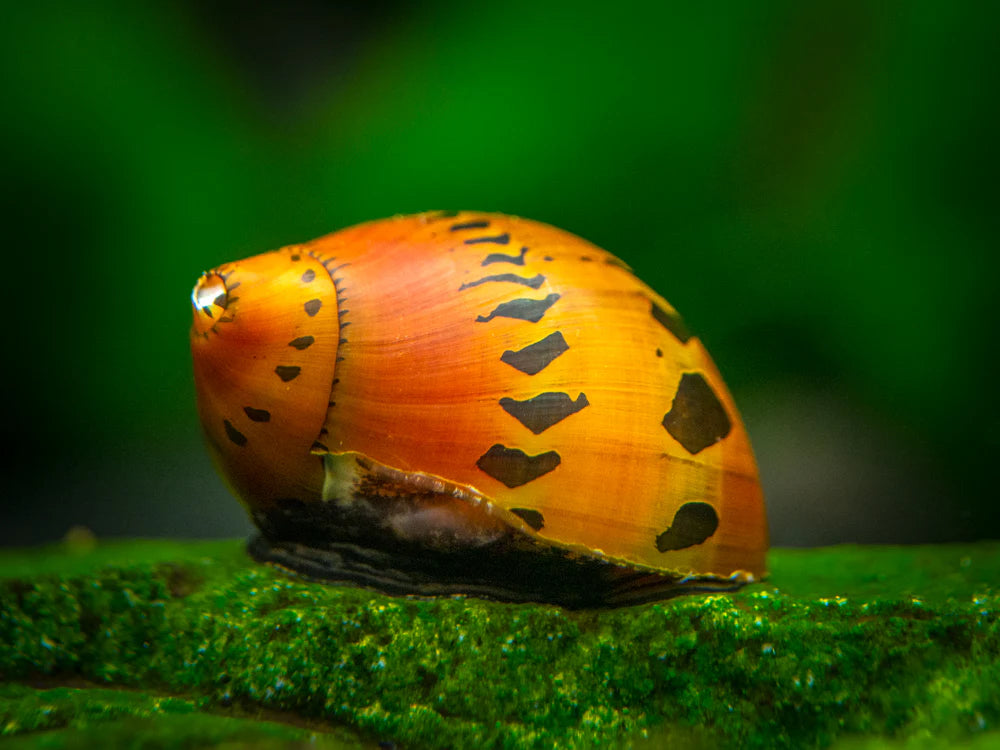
(474, 403)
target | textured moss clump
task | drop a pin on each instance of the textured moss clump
(841, 644)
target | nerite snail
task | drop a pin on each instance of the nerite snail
(474, 403)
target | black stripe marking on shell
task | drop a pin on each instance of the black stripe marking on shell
(693, 523)
(500, 239)
(533, 518)
(544, 410)
(257, 415)
(696, 419)
(531, 310)
(534, 358)
(534, 282)
(517, 260)
(514, 467)
(672, 322)
(302, 342)
(287, 372)
(233, 434)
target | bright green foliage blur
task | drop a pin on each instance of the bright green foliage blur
(808, 183)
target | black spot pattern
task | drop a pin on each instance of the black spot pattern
(693, 523)
(534, 282)
(257, 415)
(308, 276)
(671, 321)
(521, 309)
(514, 467)
(469, 225)
(287, 372)
(235, 435)
(544, 410)
(696, 419)
(312, 306)
(500, 239)
(534, 358)
(533, 518)
(517, 260)
(302, 342)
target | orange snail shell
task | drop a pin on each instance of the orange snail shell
(474, 403)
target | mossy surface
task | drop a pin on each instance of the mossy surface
(843, 646)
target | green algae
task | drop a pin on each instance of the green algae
(842, 645)
(84, 716)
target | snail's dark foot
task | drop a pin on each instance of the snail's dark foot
(508, 570)
(408, 533)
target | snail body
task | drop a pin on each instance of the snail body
(474, 403)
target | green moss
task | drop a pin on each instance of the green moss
(82, 717)
(841, 645)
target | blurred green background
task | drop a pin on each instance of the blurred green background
(813, 185)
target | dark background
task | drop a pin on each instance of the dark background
(813, 185)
